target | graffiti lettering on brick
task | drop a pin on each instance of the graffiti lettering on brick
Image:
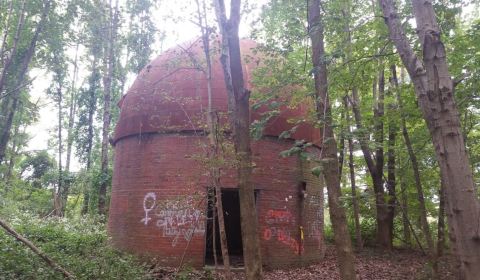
(279, 217)
(283, 236)
(278, 221)
(174, 218)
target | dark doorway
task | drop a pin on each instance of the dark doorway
(231, 211)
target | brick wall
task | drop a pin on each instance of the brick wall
(158, 203)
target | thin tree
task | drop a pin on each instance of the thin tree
(71, 121)
(214, 139)
(111, 22)
(23, 69)
(57, 200)
(353, 185)
(416, 175)
(13, 50)
(391, 155)
(329, 156)
(239, 114)
(373, 159)
(435, 94)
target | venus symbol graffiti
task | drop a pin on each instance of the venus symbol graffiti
(173, 218)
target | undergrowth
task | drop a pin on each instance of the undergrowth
(79, 245)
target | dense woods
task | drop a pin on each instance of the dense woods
(392, 86)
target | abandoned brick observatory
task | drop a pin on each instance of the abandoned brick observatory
(160, 195)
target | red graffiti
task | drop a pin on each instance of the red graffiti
(267, 234)
(284, 237)
(279, 216)
(290, 242)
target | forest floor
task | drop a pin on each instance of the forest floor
(371, 264)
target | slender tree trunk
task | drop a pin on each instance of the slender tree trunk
(13, 50)
(418, 181)
(384, 217)
(71, 122)
(111, 26)
(214, 135)
(440, 233)
(239, 111)
(434, 90)
(391, 179)
(27, 58)
(391, 161)
(91, 113)
(441, 222)
(36, 250)
(6, 31)
(57, 199)
(13, 155)
(375, 167)
(5, 136)
(341, 148)
(404, 205)
(214, 229)
(376, 172)
(346, 260)
(351, 166)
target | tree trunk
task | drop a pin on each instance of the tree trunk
(404, 206)
(27, 58)
(418, 181)
(351, 166)
(36, 250)
(91, 113)
(108, 63)
(383, 236)
(441, 222)
(391, 179)
(391, 161)
(214, 135)
(341, 148)
(384, 217)
(6, 31)
(346, 261)
(57, 199)
(13, 50)
(5, 136)
(434, 90)
(13, 155)
(71, 122)
(239, 113)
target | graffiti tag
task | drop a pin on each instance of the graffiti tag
(173, 219)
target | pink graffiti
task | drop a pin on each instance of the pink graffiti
(279, 217)
(278, 221)
(282, 235)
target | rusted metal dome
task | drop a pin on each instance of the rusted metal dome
(170, 95)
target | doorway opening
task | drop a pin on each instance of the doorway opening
(233, 229)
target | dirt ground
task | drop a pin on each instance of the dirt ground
(371, 264)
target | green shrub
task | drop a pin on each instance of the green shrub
(80, 246)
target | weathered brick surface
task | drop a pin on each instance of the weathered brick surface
(159, 201)
(159, 198)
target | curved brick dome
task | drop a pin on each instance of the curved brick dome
(161, 200)
(170, 95)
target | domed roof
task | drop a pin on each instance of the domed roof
(170, 95)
